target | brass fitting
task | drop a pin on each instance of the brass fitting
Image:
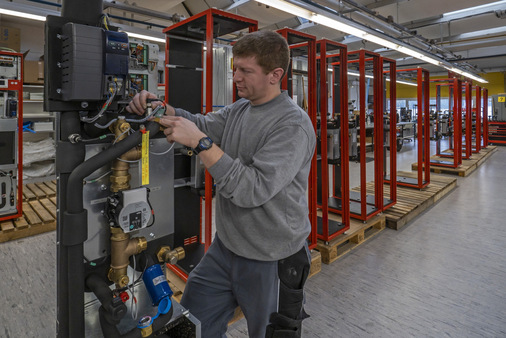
(120, 178)
(122, 247)
(170, 256)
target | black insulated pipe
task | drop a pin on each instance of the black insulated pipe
(74, 11)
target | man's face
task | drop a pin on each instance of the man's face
(251, 81)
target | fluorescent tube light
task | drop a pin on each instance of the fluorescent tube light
(466, 74)
(22, 14)
(352, 73)
(470, 9)
(145, 37)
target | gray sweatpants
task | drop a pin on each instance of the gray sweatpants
(223, 280)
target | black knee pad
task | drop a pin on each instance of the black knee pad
(283, 327)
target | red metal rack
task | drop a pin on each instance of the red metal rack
(304, 45)
(203, 28)
(467, 89)
(390, 170)
(454, 120)
(422, 130)
(477, 130)
(485, 118)
(16, 85)
(339, 201)
(363, 206)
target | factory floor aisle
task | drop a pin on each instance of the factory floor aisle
(442, 275)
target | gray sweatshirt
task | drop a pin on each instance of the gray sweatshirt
(261, 180)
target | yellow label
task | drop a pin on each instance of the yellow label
(501, 99)
(145, 158)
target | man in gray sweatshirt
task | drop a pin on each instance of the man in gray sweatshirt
(259, 152)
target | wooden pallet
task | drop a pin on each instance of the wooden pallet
(467, 166)
(358, 233)
(39, 213)
(411, 201)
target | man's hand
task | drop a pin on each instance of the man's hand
(139, 103)
(181, 130)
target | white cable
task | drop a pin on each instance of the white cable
(165, 152)
(98, 178)
(134, 305)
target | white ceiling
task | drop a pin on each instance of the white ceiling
(466, 41)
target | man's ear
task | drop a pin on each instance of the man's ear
(277, 75)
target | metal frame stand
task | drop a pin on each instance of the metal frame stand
(485, 118)
(423, 132)
(478, 120)
(212, 23)
(362, 206)
(392, 146)
(302, 44)
(467, 87)
(339, 202)
(454, 121)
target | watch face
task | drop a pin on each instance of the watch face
(206, 143)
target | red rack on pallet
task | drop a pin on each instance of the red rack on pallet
(390, 169)
(187, 60)
(477, 130)
(304, 45)
(485, 118)
(454, 86)
(422, 131)
(11, 138)
(467, 89)
(333, 153)
(362, 205)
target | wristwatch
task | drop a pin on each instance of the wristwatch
(204, 144)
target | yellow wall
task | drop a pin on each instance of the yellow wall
(495, 86)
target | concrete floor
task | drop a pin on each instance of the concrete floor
(442, 275)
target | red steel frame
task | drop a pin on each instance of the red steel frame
(455, 93)
(210, 16)
(485, 118)
(363, 56)
(422, 128)
(324, 47)
(477, 134)
(393, 132)
(467, 88)
(299, 40)
(17, 86)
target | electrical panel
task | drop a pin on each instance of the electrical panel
(94, 62)
(499, 108)
(143, 67)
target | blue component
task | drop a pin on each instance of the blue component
(156, 284)
(116, 53)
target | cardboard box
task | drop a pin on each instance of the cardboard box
(33, 72)
(10, 38)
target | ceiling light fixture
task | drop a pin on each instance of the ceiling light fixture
(349, 29)
(22, 14)
(351, 73)
(475, 8)
(145, 37)
(466, 74)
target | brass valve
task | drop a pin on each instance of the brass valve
(165, 254)
(122, 247)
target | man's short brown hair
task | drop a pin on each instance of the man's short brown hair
(269, 48)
